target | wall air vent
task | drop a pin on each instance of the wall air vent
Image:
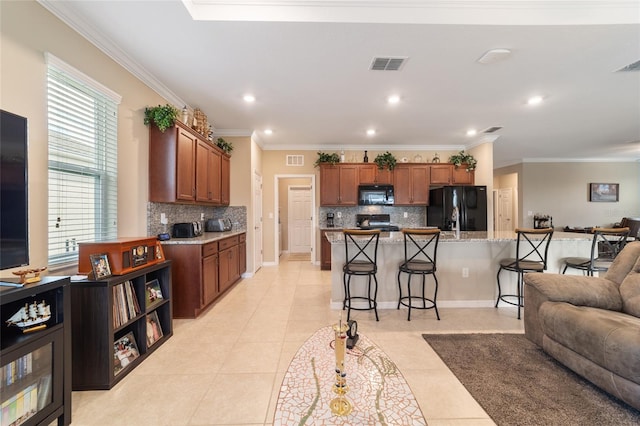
(635, 66)
(492, 129)
(295, 160)
(388, 63)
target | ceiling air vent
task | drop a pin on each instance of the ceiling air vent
(295, 160)
(388, 63)
(492, 129)
(631, 67)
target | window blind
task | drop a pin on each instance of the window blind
(82, 123)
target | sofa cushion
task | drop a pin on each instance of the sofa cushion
(624, 262)
(630, 291)
(609, 339)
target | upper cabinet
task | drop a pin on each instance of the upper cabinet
(186, 168)
(411, 181)
(338, 185)
(460, 175)
(370, 173)
(411, 184)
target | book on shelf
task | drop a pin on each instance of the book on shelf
(125, 350)
(125, 303)
(154, 329)
(153, 293)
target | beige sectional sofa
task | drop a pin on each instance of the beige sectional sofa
(591, 324)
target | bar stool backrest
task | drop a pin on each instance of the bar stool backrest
(532, 247)
(423, 243)
(363, 244)
(607, 243)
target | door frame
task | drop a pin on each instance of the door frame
(276, 203)
(258, 254)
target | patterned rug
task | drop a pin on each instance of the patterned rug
(518, 384)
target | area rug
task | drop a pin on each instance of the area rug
(518, 384)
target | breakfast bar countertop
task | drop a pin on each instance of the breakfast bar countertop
(465, 236)
(206, 237)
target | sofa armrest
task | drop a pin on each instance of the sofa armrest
(578, 290)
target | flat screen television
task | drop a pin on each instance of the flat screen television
(14, 223)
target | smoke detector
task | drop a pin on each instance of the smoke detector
(494, 55)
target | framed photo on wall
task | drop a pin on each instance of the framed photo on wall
(604, 192)
(100, 266)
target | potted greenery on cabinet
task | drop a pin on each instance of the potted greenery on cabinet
(464, 158)
(163, 116)
(326, 158)
(385, 160)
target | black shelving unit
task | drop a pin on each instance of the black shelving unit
(95, 331)
(35, 365)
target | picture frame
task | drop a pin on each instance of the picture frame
(604, 192)
(154, 329)
(100, 266)
(153, 293)
(125, 351)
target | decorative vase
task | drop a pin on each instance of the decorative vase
(436, 159)
(366, 158)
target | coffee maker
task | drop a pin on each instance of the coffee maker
(330, 223)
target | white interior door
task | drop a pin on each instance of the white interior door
(257, 221)
(300, 219)
(505, 209)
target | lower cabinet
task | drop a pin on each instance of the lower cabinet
(202, 272)
(117, 322)
(325, 252)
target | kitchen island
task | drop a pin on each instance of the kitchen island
(466, 266)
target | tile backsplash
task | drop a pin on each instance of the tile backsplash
(416, 216)
(187, 213)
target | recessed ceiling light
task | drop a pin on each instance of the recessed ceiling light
(472, 132)
(535, 100)
(249, 98)
(393, 99)
(268, 131)
(371, 132)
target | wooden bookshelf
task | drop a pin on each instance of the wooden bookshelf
(116, 309)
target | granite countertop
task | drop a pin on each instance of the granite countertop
(207, 237)
(466, 236)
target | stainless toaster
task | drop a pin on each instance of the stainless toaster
(217, 225)
(187, 230)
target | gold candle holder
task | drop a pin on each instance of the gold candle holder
(340, 405)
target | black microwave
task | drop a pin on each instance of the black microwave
(375, 195)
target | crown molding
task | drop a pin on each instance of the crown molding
(109, 48)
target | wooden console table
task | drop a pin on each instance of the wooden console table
(378, 391)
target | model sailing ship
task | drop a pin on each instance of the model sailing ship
(31, 317)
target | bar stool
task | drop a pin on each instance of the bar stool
(423, 243)
(364, 243)
(532, 247)
(606, 244)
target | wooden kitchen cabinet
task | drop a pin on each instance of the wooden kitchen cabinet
(229, 265)
(225, 180)
(325, 249)
(186, 168)
(371, 174)
(202, 272)
(441, 174)
(208, 173)
(242, 253)
(338, 185)
(460, 175)
(411, 184)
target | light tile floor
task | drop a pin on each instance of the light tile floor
(226, 367)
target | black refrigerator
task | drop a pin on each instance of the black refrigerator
(471, 202)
